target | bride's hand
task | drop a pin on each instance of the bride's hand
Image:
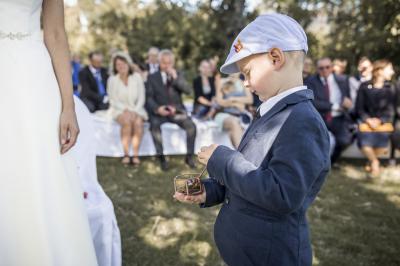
(69, 130)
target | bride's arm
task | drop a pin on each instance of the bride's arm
(56, 42)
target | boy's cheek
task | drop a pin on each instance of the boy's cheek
(264, 93)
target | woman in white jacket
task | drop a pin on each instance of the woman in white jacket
(127, 98)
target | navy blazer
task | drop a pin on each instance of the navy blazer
(266, 192)
(321, 100)
(89, 85)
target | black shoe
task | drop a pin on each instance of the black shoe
(189, 161)
(163, 163)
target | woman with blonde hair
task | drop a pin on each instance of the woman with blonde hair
(375, 109)
(232, 97)
(127, 98)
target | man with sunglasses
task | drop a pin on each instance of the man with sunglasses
(332, 100)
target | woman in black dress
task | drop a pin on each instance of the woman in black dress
(204, 91)
(375, 109)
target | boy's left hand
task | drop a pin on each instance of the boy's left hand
(205, 153)
(195, 199)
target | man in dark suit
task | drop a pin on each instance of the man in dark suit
(152, 65)
(164, 104)
(93, 79)
(332, 100)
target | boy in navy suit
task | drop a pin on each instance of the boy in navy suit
(267, 185)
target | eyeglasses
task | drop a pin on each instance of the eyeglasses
(324, 67)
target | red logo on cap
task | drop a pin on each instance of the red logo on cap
(238, 46)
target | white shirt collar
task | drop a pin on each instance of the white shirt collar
(93, 69)
(330, 78)
(268, 104)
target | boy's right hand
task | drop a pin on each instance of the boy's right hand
(197, 199)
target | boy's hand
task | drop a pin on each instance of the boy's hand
(197, 199)
(205, 153)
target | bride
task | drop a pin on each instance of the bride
(42, 216)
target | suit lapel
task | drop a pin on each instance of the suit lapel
(321, 91)
(282, 104)
(342, 86)
(91, 77)
(160, 83)
(262, 120)
(90, 74)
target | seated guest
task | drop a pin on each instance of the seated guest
(215, 71)
(339, 66)
(127, 99)
(76, 68)
(308, 68)
(152, 64)
(375, 109)
(164, 104)
(204, 91)
(93, 79)
(232, 100)
(332, 100)
(152, 60)
(364, 74)
(395, 139)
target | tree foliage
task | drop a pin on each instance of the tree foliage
(345, 29)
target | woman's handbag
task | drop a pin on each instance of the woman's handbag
(383, 128)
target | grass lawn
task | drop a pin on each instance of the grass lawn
(354, 221)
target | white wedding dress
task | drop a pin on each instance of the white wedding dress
(42, 216)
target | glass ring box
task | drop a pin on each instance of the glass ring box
(188, 184)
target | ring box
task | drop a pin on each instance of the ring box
(188, 184)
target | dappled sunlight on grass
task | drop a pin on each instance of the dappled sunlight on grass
(161, 232)
(195, 251)
(352, 172)
(391, 174)
(316, 260)
(186, 214)
(354, 220)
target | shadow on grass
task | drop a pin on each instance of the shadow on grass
(353, 222)
(155, 229)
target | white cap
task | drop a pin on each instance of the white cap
(266, 32)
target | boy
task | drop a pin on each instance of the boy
(267, 185)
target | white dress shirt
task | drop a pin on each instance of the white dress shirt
(268, 104)
(335, 95)
(93, 70)
(164, 77)
(153, 68)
